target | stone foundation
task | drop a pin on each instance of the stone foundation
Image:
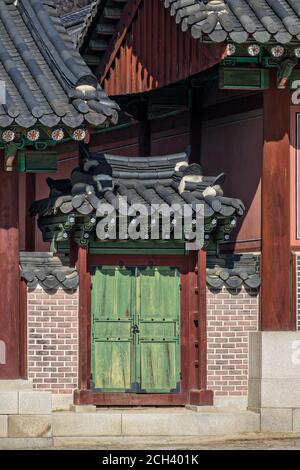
(274, 379)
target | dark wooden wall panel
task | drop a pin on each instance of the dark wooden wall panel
(170, 135)
(234, 145)
(123, 141)
(65, 164)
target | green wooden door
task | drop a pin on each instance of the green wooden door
(136, 330)
(113, 303)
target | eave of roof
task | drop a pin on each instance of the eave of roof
(44, 73)
(237, 20)
(75, 18)
(233, 271)
(99, 28)
(152, 183)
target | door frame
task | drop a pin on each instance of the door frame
(190, 339)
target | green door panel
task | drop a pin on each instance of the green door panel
(113, 303)
(159, 293)
(158, 310)
(112, 367)
(159, 368)
(136, 329)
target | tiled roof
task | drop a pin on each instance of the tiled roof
(66, 6)
(238, 20)
(98, 28)
(48, 271)
(44, 73)
(74, 21)
(233, 271)
(143, 180)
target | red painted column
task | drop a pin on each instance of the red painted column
(84, 319)
(201, 396)
(9, 275)
(276, 311)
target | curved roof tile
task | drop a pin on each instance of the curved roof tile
(233, 271)
(238, 20)
(48, 271)
(143, 180)
(42, 71)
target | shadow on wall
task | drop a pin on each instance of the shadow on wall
(235, 146)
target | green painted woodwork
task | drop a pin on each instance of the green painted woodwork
(153, 247)
(158, 307)
(136, 329)
(113, 294)
(58, 228)
(37, 161)
(243, 78)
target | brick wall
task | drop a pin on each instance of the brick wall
(230, 318)
(53, 340)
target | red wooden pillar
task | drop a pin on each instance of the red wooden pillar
(201, 396)
(276, 311)
(30, 221)
(84, 319)
(9, 275)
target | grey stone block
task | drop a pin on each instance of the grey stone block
(8, 402)
(254, 393)
(280, 355)
(276, 420)
(3, 426)
(89, 424)
(62, 402)
(83, 408)
(35, 402)
(255, 351)
(25, 443)
(15, 385)
(280, 393)
(189, 424)
(30, 426)
(296, 420)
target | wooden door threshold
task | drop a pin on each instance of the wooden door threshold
(90, 397)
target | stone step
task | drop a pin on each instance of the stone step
(15, 385)
(25, 402)
(12, 443)
(154, 422)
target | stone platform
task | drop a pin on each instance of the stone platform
(72, 429)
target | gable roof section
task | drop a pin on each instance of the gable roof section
(99, 28)
(74, 21)
(47, 82)
(119, 43)
(238, 20)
